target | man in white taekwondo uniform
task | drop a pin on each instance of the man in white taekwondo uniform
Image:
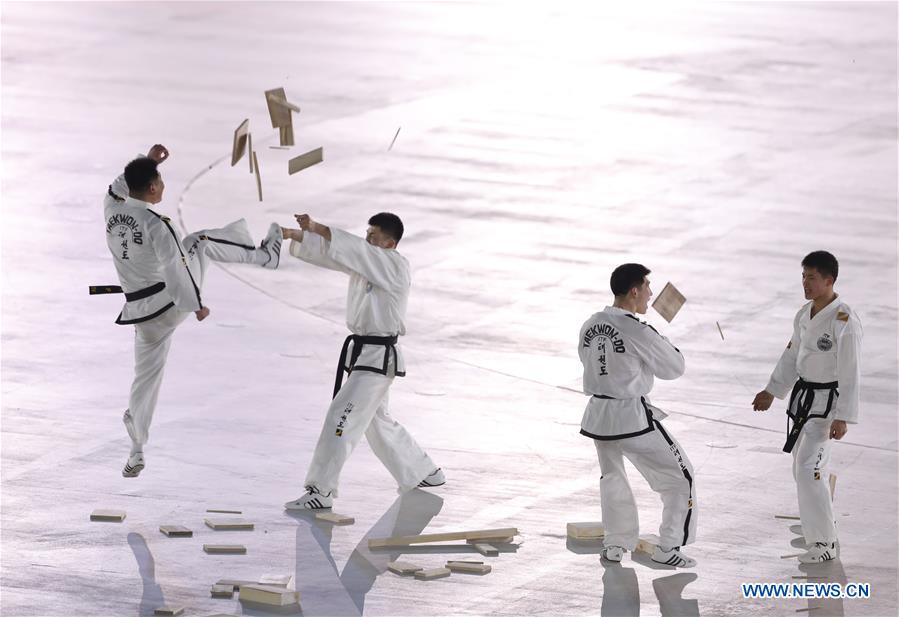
(621, 356)
(821, 365)
(161, 276)
(376, 310)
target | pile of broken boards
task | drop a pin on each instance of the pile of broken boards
(484, 541)
(593, 531)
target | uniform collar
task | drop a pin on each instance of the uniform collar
(827, 309)
(620, 311)
(131, 201)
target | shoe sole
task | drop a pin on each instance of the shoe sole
(303, 508)
(133, 472)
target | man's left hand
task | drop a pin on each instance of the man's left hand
(158, 153)
(838, 428)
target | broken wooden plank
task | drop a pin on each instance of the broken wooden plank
(274, 98)
(833, 485)
(488, 550)
(258, 175)
(224, 511)
(229, 524)
(427, 575)
(791, 555)
(250, 158)
(225, 549)
(669, 302)
(285, 134)
(647, 544)
(337, 519)
(393, 141)
(268, 594)
(222, 591)
(280, 115)
(477, 534)
(108, 516)
(585, 531)
(505, 540)
(235, 583)
(168, 610)
(787, 517)
(239, 144)
(403, 568)
(176, 531)
(276, 580)
(468, 567)
(299, 163)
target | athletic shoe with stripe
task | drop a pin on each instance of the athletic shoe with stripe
(134, 465)
(821, 551)
(271, 244)
(612, 553)
(312, 500)
(673, 558)
(435, 479)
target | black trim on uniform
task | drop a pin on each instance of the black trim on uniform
(165, 220)
(803, 395)
(649, 428)
(689, 481)
(145, 317)
(359, 341)
(113, 195)
(643, 323)
(211, 239)
(605, 396)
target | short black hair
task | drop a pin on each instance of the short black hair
(389, 223)
(627, 276)
(140, 172)
(823, 262)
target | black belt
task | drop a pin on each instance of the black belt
(803, 395)
(130, 296)
(358, 342)
(603, 396)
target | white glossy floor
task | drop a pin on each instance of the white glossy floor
(539, 148)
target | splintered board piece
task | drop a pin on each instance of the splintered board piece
(669, 302)
(279, 114)
(299, 163)
(239, 145)
(168, 610)
(224, 511)
(427, 575)
(585, 531)
(250, 155)
(235, 583)
(468, 567)
(229, 524)
(791, 555)
(269, 594)
(720, 331)
(276, 580)
(277, 100)
(478, 534)
(176, 531)
(787, 517)
(647, 544)
(258, 175)
(225, 549)
(403, 568)
(222, 591)
(393, 141)
(337, 519)
(488, 550)
(491, 541)
(285, 133)
(108, 516)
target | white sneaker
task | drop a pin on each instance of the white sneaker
(673, 558)
(821, 551)
(271, 244)
(134, 465)
(312, 500)
(435, 479)
(612, 553)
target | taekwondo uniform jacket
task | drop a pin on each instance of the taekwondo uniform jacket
(823, 349)
(377, 295)
(153, 270)
(621, 357)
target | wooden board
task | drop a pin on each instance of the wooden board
(477, 534)
(585, 531)
(268, 594)
(277, 100)
(108, 516)
(285, 133)
(468, 567)
(276, 580)
(299, 163)
(239, 145)
(669, 302)
(234, 583)
(225, 511)
(279, 114)
(258, 175)
(403, 568)
(337, 519)
(426, 575)
(176, 531)
(222, 591)
(168, 610)
(229, 524)
(225, 549)
(487, 550)
(647, 544)
(491, 541)
(249, 158)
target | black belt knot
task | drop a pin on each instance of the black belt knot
(358, 342)
(803, 395)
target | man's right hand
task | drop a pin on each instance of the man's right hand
(158, 153)
(202, 314)
(292, 234)
(762, 401)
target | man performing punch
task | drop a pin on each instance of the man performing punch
(379, 282)
(161, 276)
(621, 356)
(821, 365)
